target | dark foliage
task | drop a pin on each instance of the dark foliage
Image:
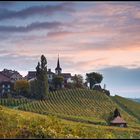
(94, 78)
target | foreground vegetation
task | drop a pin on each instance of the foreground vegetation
(20, 124)
(73, 113)
(78, 105)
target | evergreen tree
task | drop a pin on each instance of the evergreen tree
(41, 79)
(116, 113)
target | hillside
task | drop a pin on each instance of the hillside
(137, 100)
(128, 105)
(20, 124)
(78, 105)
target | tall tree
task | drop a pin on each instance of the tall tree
(42, 79)
(94, 78)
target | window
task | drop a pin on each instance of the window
(50, 76)
(3, 86)
(8, 86)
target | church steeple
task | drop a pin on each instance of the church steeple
(58, 69)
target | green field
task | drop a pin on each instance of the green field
(79, 113)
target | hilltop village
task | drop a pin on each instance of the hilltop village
(58, 71)
(9, 78)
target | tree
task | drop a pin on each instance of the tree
(33, 89)
(78, 81)
(108, 117)
(22, 88)
(116, 113)
(70, 85)
(94, 78)
(58, 80)
(107, 92)
(41, 81)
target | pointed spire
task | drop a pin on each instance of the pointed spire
(58, 65)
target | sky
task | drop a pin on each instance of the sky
(95, 36)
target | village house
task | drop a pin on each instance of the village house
(32, 75)
(5, 84)
(12, 74)
(118, 121)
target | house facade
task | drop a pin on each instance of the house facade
(6, 85)
(32, 75)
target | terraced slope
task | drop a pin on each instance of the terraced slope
(79, 104)
(128, 105)
(20, 124)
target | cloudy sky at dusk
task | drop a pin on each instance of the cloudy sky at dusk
(89, 36)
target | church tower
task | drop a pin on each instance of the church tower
(58, 70)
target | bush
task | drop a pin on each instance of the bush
(22, 88)
(107, 92)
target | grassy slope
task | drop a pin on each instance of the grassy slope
(136, 100)
(20, 124)
(80, 105)
(128, 105)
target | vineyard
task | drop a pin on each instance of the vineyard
(77, 104)
(11, 102)
(73, 113)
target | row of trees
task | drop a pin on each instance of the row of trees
(39, 87)
(78, 81)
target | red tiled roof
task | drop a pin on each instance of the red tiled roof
(9, 73)
(4, 78)
(117, 120)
